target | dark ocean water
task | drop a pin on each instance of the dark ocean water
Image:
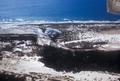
(55, 10)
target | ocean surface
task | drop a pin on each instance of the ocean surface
(55, 10)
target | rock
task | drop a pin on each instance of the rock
(53, 33)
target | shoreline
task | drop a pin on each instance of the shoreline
(72, 56)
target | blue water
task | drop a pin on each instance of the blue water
(55, 10)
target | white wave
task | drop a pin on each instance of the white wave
(39, 21)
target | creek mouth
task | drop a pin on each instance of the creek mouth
(64, 60)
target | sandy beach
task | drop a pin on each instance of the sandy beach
(83, 52)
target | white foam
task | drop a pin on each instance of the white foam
(40, 21)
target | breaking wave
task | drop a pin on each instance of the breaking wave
(45, 21)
